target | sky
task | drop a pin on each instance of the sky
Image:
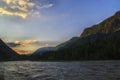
(27, 25)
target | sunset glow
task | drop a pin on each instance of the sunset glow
(27, 25)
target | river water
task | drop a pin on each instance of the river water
(84, 70)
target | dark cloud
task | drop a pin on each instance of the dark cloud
(12, 44)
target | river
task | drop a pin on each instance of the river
(83, 70)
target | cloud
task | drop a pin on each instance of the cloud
(29, 46)
(22, 8)
(27, 42)
(12, 44)
(23, 46)
(45, 6)
(22, 43)
(6, 12)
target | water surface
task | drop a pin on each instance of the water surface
(84, 70)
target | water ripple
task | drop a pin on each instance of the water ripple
(89, 70)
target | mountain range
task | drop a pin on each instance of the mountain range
(43, 50)
(98, 42)
(101, 41)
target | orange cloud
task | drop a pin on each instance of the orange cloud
(24, 46)
(26, 42)
(28, 46)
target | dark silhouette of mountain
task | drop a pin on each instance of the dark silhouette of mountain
(68, 43)
(6, 53)
(101, 41)
(98, 31)
(43, 50)
(109, 25)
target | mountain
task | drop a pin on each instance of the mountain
(108, 26)
(67, 43)
(61, 46)
(6, 53)
(43, 50)
(101, 41)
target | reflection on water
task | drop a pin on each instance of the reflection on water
(90, 70)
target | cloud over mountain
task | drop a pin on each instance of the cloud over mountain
(23, 46)
(22, 43)
(27, 42)
(12, 44)
(29, 46)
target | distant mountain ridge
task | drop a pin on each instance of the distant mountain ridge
(98, 42)
(101, 41)
(110, 25)
(98, 31)
(43, 50)
(67, 43)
